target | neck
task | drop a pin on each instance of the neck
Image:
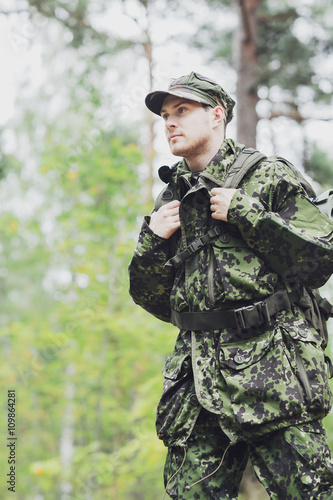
(200, 161)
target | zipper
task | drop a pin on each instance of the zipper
(184, 242)
(301, 373)
(211, 276)
(299, 386)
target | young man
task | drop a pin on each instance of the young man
(229, 267)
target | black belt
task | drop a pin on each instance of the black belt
(251, 316)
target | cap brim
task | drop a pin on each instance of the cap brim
(154, 100)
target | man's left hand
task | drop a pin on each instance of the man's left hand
(220, 202)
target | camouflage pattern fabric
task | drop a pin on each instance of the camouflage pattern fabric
(274, 235)
(293, 464)
(253, 380)
(260, 380)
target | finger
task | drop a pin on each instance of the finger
(172, 204)
(215, 200)
(173, 211)
(169, 206)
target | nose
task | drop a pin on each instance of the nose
(170, 122)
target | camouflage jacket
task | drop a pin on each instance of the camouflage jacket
(257, 380)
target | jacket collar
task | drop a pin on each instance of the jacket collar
(218, 166)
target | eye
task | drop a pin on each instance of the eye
(165, 117)
(181, 110)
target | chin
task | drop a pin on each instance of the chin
(178, 148)
(177, 151)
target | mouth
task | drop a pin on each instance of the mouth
(173, 137)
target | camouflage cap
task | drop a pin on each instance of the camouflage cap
(196, 88)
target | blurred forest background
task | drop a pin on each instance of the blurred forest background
(78, 161)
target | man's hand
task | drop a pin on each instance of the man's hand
(166, 221)
(220, 202)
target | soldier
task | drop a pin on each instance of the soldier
(248, 376)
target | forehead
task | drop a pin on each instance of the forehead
(171, 102)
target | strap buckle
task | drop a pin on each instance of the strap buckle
(253, 315)
(215, 231)
(195, 245)
(201, 241)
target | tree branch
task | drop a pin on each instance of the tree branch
(293, 115)
(281, 16)
(78, 24)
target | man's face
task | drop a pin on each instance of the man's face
(188, 126)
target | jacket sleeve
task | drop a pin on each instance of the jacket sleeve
(150, 282)
(285, 229)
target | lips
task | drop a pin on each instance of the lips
(174, 136)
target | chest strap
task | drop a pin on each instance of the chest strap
(196, 245)
(251, 316)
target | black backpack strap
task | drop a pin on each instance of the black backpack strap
(169, 192)
(166, 195)
(243, 163)
(194, 247)
(248, 158)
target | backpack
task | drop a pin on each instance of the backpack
(316, 308)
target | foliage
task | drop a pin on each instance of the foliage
(282, 51)
(84, 370)
(292, 45)
(320, 165)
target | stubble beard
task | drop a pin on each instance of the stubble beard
(191, 151)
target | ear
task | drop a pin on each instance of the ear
(218, 116)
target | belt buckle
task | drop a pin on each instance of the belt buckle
(263, 311)
(241, 316)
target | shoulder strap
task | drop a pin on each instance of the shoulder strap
(243, 163)
(305, 184)
(249, 157)
(169, 192)
(166, 195)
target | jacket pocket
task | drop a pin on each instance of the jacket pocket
(308, 360)
(312, 455)
(174, 366)
(244, 354)
(261, 382)
(178, 408)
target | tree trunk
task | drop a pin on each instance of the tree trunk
(247, 71)
(150, 152)
(66, 438)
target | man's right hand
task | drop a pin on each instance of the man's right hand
(166, 221)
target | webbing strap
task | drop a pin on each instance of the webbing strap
(325, 306)
(196, 245)
(243, 163)
(250, 316)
